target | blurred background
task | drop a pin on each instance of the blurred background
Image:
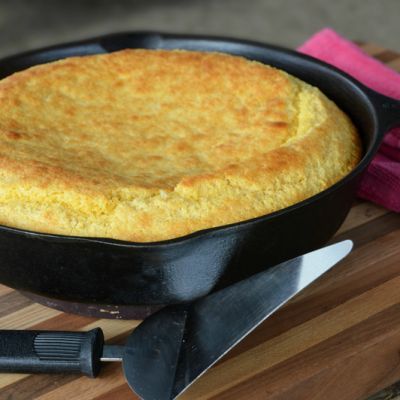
(27, 24)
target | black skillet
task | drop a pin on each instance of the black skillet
(107, 271)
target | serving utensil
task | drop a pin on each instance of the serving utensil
(172, 348)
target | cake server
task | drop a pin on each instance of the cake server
(172, 348)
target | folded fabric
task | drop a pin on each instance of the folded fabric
(381, 182)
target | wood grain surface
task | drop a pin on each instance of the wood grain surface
(338, 339)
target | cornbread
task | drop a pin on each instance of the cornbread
(147, 145)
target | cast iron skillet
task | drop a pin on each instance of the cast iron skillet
(116, 272)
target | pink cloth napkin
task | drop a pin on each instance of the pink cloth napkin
(381, 182)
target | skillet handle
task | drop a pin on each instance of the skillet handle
(51, 352)
(388, 111)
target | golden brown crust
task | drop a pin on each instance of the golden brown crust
(147, 145)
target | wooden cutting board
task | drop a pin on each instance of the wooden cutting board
(338, 340)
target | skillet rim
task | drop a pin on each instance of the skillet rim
(365, 94)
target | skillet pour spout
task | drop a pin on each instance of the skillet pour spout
(104, 271)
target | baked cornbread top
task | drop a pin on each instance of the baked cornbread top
(147, 145)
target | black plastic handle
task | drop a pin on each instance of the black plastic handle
(51, 351)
